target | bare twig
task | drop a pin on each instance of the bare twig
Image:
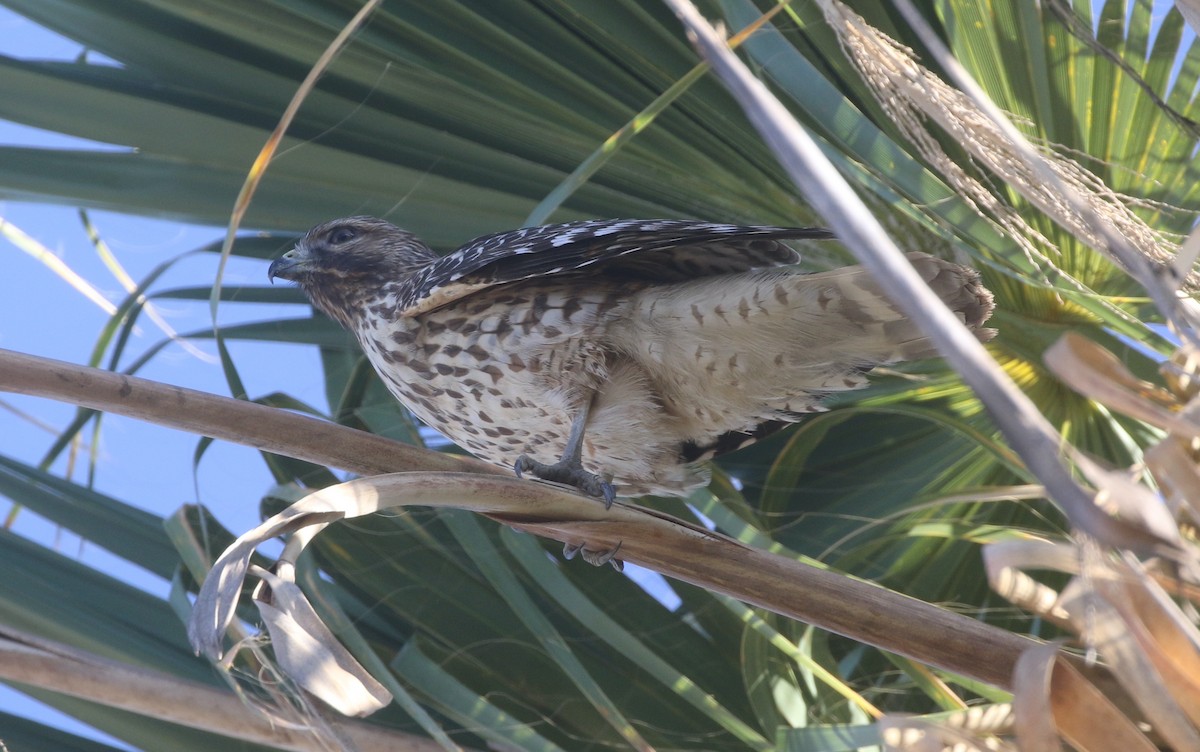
(830, 600)
(266, 428)
(38, 662)
(833, 601)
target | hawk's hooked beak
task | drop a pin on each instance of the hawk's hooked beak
(291, 264)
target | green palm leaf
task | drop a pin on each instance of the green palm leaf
(459, 118)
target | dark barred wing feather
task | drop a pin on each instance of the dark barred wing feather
(660, 250)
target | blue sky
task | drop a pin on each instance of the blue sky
(139, 463)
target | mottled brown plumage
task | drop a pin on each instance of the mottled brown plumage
(655, 344)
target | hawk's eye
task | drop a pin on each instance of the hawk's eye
(342, 235)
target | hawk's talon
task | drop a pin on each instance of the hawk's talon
(600, 558)
(569, 473)
(594, 557)
(608, 491)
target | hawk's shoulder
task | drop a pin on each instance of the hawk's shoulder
(660, 250)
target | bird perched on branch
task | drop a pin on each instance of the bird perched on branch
(613, 355)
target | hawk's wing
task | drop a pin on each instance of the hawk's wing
(662, 250)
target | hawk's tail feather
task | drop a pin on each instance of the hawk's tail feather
(961, 288)
(735, 356)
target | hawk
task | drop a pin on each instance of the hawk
(613, 355)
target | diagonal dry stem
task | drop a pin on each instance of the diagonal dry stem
(1024, 427)
(854, 608)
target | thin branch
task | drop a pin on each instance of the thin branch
(830, 600)
(266, 428)
(38, 662)
(833, 601)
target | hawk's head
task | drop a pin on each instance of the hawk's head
(353, 248)
(343, 264)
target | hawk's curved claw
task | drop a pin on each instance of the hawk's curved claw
(570, 473)
(594, 557)
(610, 494)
